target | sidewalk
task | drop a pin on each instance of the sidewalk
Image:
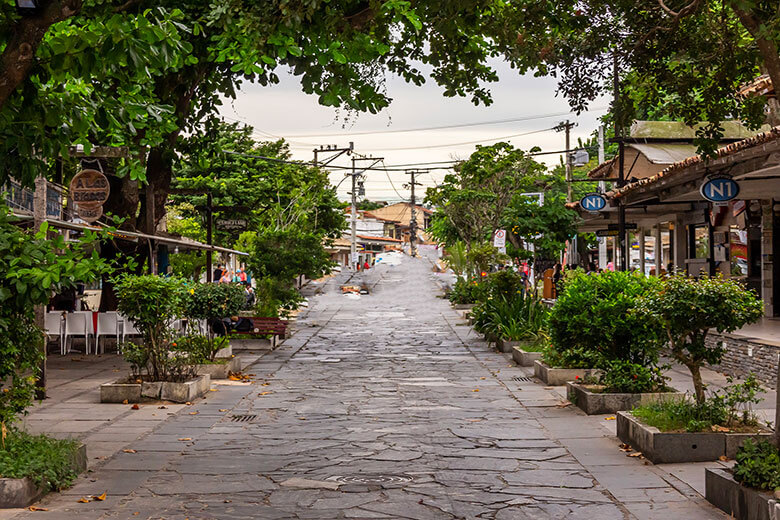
(646, 490)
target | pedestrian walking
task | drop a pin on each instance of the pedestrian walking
(218, 272)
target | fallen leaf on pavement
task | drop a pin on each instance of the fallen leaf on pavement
(635, 454)
(610, 418)
(185, 438)
(563, 404)
(135, 407)
(235, 378)
(194, 413)
(36, 508)
(213, 390)
(188, 403)
(223, 409)
(163, 407)
(266, 384)
(125, 402)
(264, 393)
(129, 451)
(83, 500)
(723, 457)
(301, 418)
(482, 378)
(626, 450)
(100, 498)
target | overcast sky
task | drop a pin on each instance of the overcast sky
(283, 110)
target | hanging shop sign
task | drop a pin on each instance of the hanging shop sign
(607, 233)
(89, 190)
(719, 189)
(593, 202)
(231, 224)
(628, 225)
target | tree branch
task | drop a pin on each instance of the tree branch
(18, 56)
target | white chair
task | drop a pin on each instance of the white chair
(90, 326)
(107, 325)
(75, 325)
(126, 328)
(54, 325)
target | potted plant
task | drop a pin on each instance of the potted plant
(686, 309)
(745, 491)
(595, 321)
(160, 368)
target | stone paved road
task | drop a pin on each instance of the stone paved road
(375, 409)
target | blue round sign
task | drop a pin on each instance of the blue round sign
(593, 202)
(719, 189)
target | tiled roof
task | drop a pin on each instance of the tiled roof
(760, 86)
(725, 151)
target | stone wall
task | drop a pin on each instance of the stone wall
(744, 355)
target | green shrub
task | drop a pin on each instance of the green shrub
(687, 309)
(212, 301)
(201, 349)
(626, 377)
(595, 320)
(465, 292)
(46, 461)
(152, 303)
(516, 316)
(758, 465)
(682, 415)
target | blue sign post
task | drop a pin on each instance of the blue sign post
(593, 202)
(719, 189)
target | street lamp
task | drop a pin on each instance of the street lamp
(27, 7)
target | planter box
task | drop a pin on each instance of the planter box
(220, 370)
(506, 346)
(731, 497)
(523, 358)
(225, 352)
(595, 403)
(176, 392)
(667, 447)
(560, 376)
(21, 492)
(463, 306)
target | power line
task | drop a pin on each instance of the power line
(425, 147)
(391, 183)
(441, 127)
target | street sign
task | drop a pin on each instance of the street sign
(719, 189)
(628, 225)
(355, 258)
(607, 233)
(593, 202)
(499, 238)
(231, 224)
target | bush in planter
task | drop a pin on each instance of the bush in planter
(687, 308)
(465, 291)
(595, 320)
(152, 303)
(210, 302)
(625, 377)
(515, 316)
(45, 461)
(731, 408)
(200, 348)
(758, 465)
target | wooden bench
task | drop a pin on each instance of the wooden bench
(275, 327)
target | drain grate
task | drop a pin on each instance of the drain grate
(371, 479)
(243, 418)
(520, 379)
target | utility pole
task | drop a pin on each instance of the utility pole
(602, 189)
(413, 219)
(621, 167)
(566, 127)
(209, 237)
(334, 149)
(355, 174)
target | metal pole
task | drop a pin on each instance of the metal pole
(621, 167)
(602, 189)
(568, 161)
(413, 223)
(353, 245)
(209, 238)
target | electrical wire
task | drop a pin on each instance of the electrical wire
(387, 173)
(492, 139)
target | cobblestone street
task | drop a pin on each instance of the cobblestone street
(380, 407)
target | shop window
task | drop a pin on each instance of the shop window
(701, 242)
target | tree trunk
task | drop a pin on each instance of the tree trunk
(698, 384)
(18, 57)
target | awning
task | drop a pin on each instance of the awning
(184, 242)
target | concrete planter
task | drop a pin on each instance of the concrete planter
(22, 492)
(175, 392)
(595, 403)
(560, 376)
(731, 497)
(463, 306)
(523, 358)
(220, 370)
(506, 346)
(667, 447)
